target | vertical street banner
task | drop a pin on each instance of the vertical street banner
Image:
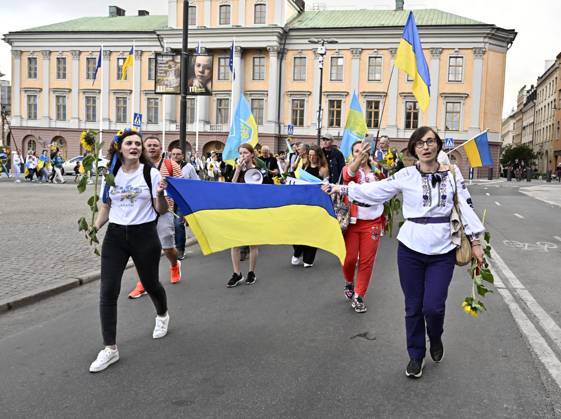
(199, 75)
(167, 74)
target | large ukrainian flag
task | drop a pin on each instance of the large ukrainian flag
(225, 215)
(478, 152)
(410, 58)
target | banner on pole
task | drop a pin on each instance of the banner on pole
(199, 75)
(167, 74)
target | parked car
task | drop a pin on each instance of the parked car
(68, 165)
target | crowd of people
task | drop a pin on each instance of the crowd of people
(45, 168)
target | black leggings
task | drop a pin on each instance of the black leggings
(140, 242)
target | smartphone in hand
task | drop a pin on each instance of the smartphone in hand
(370, 140)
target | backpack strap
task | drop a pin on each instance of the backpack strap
(148, 179)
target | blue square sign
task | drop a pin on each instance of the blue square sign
(449, 143)
(137, 120)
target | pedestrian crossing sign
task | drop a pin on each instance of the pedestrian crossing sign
(449, 143)
(137, 120)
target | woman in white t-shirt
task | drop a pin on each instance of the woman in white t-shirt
(131, 207)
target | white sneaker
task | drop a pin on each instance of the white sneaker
(161, 328)
(308, 265)
(296, 261)
(105, 357)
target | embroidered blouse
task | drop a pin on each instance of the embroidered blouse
(359, 212)
(422, 199)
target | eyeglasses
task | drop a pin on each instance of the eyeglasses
(420, 143)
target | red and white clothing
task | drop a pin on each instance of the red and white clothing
(363, 234)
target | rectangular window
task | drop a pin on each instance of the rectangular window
(455, 68)
(258, 68)
(299, 70)
(61, 68)
(411, 115)
(121, 105)
(298, 112)
(334, 113)
(32, 67)
(91, 109)
(190, 110)
(120, 62)
(453, 113)
(374, 68)
(91, 63)
(32, 107)
(336, 73)
(192, 15)
(151, 68)
(223, 68)
(223, 111)
(224, 15)
(60, 108)
(257, 107)
(260, 14)
(373, 113)
(153, 110)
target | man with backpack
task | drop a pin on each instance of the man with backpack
(166, 226)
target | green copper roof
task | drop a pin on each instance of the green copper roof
(107, 24)
(369, 18)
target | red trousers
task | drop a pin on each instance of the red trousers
(361, 241)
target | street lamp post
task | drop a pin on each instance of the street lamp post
(321, 53)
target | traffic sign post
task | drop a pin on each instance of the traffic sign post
(137, 120)
(290, 130)
(449, 143)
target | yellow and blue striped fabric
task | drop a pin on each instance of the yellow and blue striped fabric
(477, 151)
(410, 58)
(243, 130)
(225, 215)
(128, 63)
(355, 128)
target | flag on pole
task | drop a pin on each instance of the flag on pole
(231, 60)
(288, 146)
(224, 215)
(306, 177)
(243, 130)
(128, 63)
(477, 151)
(355, 128)
(410, 59)
(98, 64)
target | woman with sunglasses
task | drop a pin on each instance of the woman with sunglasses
(131, 207)
(426, 254)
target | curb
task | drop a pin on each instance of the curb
(46, 292)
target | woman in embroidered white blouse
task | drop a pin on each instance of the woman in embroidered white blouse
(426, 254)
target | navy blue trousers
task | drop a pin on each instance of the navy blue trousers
(424, 280)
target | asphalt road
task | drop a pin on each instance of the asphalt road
(289, 346)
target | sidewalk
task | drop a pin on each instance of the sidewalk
(549, 193)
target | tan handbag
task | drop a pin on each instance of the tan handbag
(459, 238)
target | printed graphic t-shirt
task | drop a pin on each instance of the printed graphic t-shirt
(130, 198)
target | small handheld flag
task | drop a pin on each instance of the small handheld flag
(477, 151)
(355, 129)
(243, 130)
(128, 63)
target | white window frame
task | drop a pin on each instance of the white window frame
(126, 97)
(337, 57)
(62, 75)
(86, 97)
(453, 97)
(262, 98)
(227, 121)
(29, 67)
(301, 57)
(375, 57)
(253, 74)
(259, 3)
(226, 74)
(57, 116)
(90, 75)
(148, 119)
(220, 8)
(462, 67)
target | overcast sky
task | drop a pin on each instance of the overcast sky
(538, 40)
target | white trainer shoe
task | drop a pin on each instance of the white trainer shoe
(308, 265)
(105, 357)
(296, 261)
(161, 328)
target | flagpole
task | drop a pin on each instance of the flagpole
(383, 109)
(233, 75)
(163, 112)
(465, 142)
(101, 104)
(197, 123)
(133, 80)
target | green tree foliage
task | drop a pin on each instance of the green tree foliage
(521, 152)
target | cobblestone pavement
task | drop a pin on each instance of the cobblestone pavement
(40, 245)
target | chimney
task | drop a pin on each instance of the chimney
(399, 4)
(115, 11)
(143, 13)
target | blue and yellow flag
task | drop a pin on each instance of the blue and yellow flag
(128, 63)
(305, 176)
(225, 215)
(243, 130)
(410, 58)
(477, 151)
(355, 129)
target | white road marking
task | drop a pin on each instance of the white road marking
(485, 188)
(518, 215)
(487, 193)
(498, 204)
(557, 238)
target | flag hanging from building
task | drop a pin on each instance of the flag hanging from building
(355, 129)
(231, 60)
(410, 59)
(98, 64)
(128, 63)
(225, 215)
(477, 151)
(243, 130)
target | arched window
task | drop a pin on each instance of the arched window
(60, 143)
(224, 15)
(260, 14)
(31, 144)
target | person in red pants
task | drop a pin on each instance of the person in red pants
(363, 233)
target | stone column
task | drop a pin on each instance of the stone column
(476, 89)
(208, 12)
(75, 118)
(172, 13)
(136, 88)
(355, 69)
(392, 98)
(278, 12)
(204, 107)
(434, 88)
(238, 83)
(241, 13)
(106, 63)
(315, 91)
(16, 88)
(45, 108)
(273, 91)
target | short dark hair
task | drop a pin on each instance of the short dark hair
(417, 135)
